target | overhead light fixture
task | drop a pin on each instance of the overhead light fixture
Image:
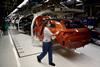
(74, 0)
(46, 1)
(68, 0)
(78, 0)
(23, 3)
(79, 4)
(18, 7)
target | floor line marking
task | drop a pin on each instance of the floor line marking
(14, 50)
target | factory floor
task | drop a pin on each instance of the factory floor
(20, 50)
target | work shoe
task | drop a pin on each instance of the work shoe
(38, 59)
(52, 64)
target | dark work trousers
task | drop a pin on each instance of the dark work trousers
(47, 47)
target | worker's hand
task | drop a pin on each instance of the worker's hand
(53, 37)
(57, 32)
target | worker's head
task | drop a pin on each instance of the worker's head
(45, 22)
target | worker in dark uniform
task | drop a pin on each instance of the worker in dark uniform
(47, 45)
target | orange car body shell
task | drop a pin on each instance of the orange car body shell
(68, 37)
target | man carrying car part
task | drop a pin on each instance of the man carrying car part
(47, 44)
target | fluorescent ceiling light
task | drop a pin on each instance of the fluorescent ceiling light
(23, 3)
(15, 10)
(46, 1)
(78, 0)
(79, 4)
(68, 0)
(74, 0)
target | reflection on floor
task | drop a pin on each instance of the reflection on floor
(7, 55)
(29, 48)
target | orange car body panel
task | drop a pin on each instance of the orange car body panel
(68, 37)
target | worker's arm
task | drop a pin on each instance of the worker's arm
(56, 33)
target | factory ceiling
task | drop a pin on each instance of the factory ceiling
(7, 6)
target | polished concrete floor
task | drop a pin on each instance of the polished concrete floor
(7, 54)
(20, 50)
